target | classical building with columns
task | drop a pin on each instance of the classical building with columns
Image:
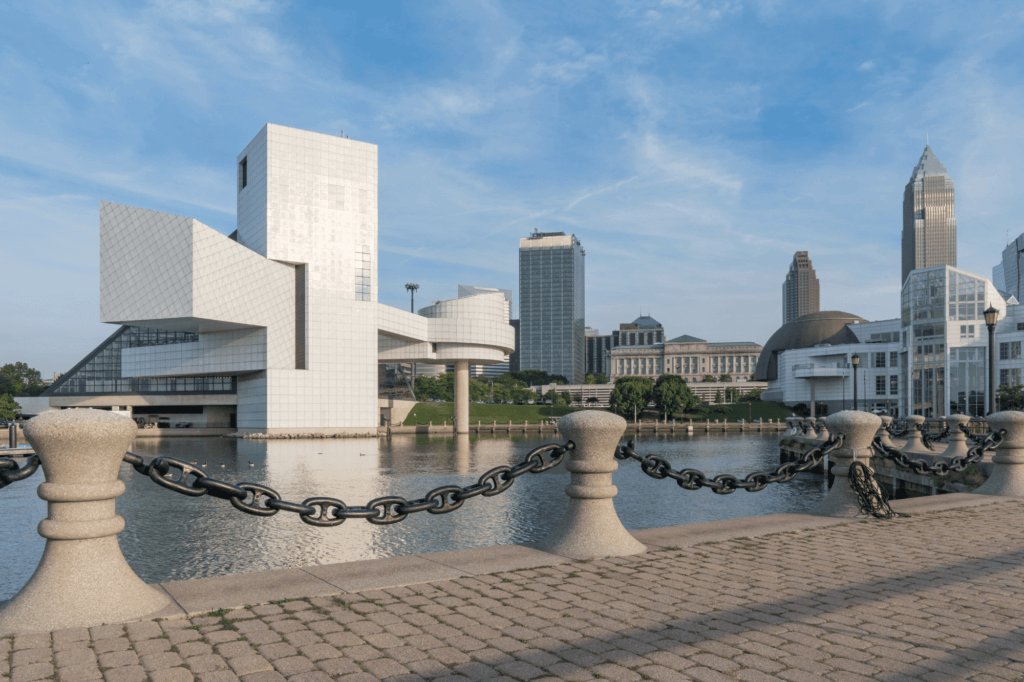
(275, 328)
(639, 348)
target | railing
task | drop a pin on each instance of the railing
(84, 580)
(832, 365)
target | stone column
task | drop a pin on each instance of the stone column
(1007, 476)
(591, 528)
(462, 396)
(857, 430)
(823, 434)
(957, 444)
(884, 432)
(914, 444)
(82, 579)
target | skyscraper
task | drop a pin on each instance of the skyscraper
(929, 222)
(551, 305)
(801, 293)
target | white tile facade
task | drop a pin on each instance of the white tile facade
(289, 306)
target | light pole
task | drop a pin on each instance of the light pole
(411, 288)
(855, 361)
(490, 382)
(991, 315)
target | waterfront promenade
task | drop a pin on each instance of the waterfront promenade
(933, 596)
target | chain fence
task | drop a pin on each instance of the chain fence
(954, 465)
(10, 472)
(193, 481)
(723, 484)
(870, 495)
(973, 437)
(927, 438)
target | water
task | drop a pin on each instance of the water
(173, 537)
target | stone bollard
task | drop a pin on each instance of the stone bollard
(857, 430)
(822, 429)
(883, 431)
(1007, 477)
(914, 443)
(790, 426)
(12, 436)
(812, 434)
(957, 446)
(591, 528)
(82, 578)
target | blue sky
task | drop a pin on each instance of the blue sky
(692, 146)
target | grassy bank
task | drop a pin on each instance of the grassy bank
(518, 414)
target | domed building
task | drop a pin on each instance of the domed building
(828, 328)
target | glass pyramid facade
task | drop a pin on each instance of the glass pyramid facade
(100, 372)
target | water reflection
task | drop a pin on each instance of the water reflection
(171, 537)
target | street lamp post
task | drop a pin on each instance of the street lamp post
(991, 315)
(855, 361)
(411, 288)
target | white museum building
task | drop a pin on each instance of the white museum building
(275, 328)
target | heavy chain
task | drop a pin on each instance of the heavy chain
(328, 511)
(974, 437)
(927, 439)
(957, 464)
(869, 494)
(9, 471)
(891, 428)
(723, 484)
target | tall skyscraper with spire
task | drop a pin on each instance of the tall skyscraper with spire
(801, 293)
(929, 221)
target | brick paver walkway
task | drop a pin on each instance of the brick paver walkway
(933, 597)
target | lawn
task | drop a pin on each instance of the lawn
(441, 412)
(518, 414)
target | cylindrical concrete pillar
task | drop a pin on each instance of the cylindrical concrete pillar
(957, 444)
(462, 396)
(914, 444)
(591, 528)
(12, 436)
(857, 430)
(883, 431)
(822, 429)
(1007, 477)
(82, 579)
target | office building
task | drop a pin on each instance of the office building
(551, 305)
(998, 279)
(929, 219)
(275, 328)
(598, 346)
(1012, 268)
(513, 357)
(801, 293)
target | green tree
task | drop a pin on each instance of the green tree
(18, 379)
(631, 394)
(709, 377)
(590, 379)
(565, 397)
(725, 377)
(8, 408)
(672, 395)
(602, 378)
(752, 397)
(1010, 398)
(577, 398)
(718, 397)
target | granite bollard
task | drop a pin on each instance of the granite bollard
(811, 433)
(857, 429)
(82, 579)
(822, 429)
(915, 444)
(591, 528)
(1007, 477)
(957, 446)
(883, 431)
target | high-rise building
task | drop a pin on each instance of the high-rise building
(598, 347)
(1012, 272)
(801, 292)
(929, 221)
(998, 280)
(551, 304)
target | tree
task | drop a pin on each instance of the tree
(672, 395)
(18, 379)
(725, 377)
(752, 397)
(577, 398)
(718, 397)
(631, 394)
(590, 379)
(8, 408)
(1010, 398)
(709, 377)
(602, 378)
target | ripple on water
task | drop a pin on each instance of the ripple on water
(172, 537)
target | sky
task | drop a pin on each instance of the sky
(691, 146)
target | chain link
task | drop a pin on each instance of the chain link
(10, 472)
(870, 495)
(723, 484)
(956, 464)
(893, 433)
(973, 437)
(260, 500)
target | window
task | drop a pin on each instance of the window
(1015, 376)
(243, 173)
(1015, 350)
(1004, 377)
(880, 385)
(894, 384)
(1020, 326)
(879, 359)
(1004, 351)
(894, 359)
